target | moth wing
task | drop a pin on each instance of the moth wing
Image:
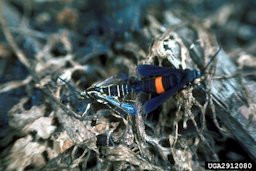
(155, 102)
(152, 70)
(127, 107)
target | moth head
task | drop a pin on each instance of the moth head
(192, 75)
(197, 76)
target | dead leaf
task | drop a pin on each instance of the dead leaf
(43, 126)
(19, 117)
(62, 142)
(24, 153)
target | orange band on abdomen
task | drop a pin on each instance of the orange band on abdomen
(159, 85)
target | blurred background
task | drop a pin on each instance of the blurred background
(107, 37)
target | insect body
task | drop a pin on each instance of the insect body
(159, 81)
(163, 82)
(115, 92)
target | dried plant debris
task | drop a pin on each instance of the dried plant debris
(60, 62)
(25, 152)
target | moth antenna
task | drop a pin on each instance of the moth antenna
(73, 89)
(214, 56)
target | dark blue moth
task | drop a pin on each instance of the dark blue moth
(159, 81)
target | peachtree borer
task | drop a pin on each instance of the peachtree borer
(161, 82)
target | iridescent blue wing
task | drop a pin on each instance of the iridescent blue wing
(155, 102)
(128, 107)
(152, 70)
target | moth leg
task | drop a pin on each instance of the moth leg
(118, 115)
(113, 109)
